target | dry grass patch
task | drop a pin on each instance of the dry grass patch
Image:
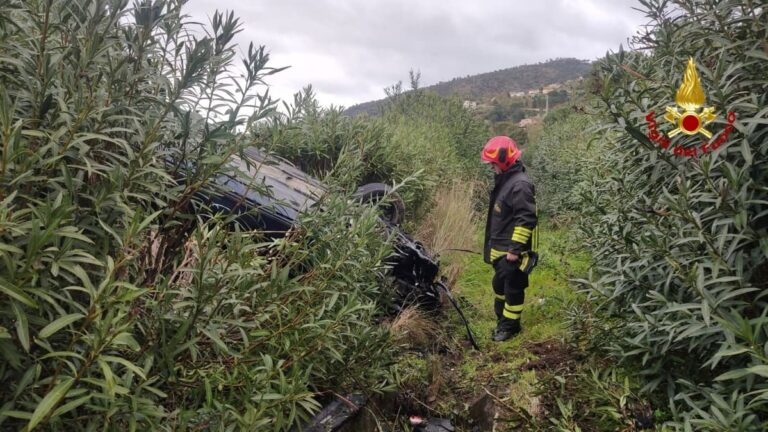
(451, 223)
(414, 329)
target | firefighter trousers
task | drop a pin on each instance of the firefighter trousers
(509, 284)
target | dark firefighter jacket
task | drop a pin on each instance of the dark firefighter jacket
(511, 222)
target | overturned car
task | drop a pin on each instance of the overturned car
(283, 191)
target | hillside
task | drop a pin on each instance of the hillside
(486, 86)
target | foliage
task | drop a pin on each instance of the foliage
(680, 243)
(512, 130)
(122, 309)
(559, 160)
(445, 131)
(595, 399)
(325, 143)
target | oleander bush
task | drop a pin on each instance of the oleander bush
(120, 306)
(680, 244)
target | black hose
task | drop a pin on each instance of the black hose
(462, 250)
(461, 314)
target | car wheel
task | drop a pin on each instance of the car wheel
(392, 211)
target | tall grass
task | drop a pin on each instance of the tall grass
(451, 226)
(452, 221)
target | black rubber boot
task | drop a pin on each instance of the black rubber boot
(507, 329)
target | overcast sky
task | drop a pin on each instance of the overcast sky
(349, 50)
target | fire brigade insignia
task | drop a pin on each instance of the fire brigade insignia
(690, 98)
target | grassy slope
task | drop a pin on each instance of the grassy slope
(498, 366)
(548, 289)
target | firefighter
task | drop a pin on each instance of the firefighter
(511, 237)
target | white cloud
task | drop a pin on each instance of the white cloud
(351, 49)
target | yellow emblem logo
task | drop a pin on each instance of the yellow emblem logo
(690, 97)
(690, 117)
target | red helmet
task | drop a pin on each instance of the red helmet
(501, 151)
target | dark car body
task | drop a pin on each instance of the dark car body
(279, 192)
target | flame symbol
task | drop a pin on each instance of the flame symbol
(690, 97)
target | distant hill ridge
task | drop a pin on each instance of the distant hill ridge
(483, 87)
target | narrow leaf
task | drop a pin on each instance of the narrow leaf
(49, 402)
(57, 325)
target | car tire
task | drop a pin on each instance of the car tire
(393, 211)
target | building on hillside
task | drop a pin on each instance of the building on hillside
(468, 104)
(518, 94)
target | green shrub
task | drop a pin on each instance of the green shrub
(560, 159)
(448, 128)
(680, 243)
(119, 307)
(594, 399)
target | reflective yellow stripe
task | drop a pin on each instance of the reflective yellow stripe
(497, 253)
(522, 231)
(521, 234)
(512, 311)
(524, 261)
(499, 297)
